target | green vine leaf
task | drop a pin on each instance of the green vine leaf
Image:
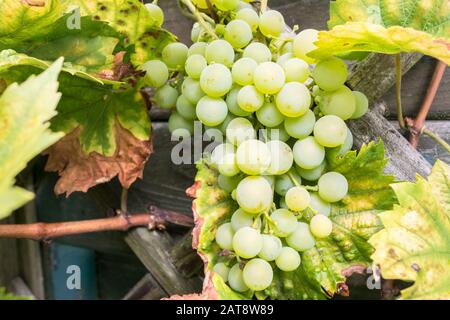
(324, 267)
(25, 111)
(5, 295)
(415, 244)
(387, 27)
(134, 21)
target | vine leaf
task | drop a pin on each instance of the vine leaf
(387, 27)
(415, 244)
(134, 21)
(324, 268)
(25, 111)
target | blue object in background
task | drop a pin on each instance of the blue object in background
(72, 275)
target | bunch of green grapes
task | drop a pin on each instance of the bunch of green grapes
(282, 115)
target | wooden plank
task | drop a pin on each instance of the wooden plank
(428, 147)
(19, 288)
(146, 289)
(9, 257)
(152, 248)
(30, 251)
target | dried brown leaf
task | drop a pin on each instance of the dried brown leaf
(79, 171)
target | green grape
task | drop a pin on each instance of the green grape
(216, 80)
(228, 166)
(268, 115)
(220, 51)
(195, 65)
(241, 219)
(238, 33)
(286, 48)
(240, 130)
(220, 151)
(253, 157)
(166, 97)
(185, 108)
(269, 77)
(312, 174)
(258, 52)
(283, 204)
(319, 205)
(293, 100)
(271, 247)
(222, 270)
(361, 105)
(202, 4)
(281, 157)
(301, 238)
(276, 133)
(300, 127)
(233, 105)
(242, 71)
(192, 90)
(156, 73)
(285, 222)
(174, 55)
(195, 32)
(226, 5)
(228, 183)
(330, 131)
(330, 74)
(340, 151)
(236, 280)
(211, 111)
(244, 5)
(288, 260)
(308, 154)
(223, 126)
(321, 226)
(250, 16)
(254, 194)
(304, 43)
(250, 99)
(224, 236)
(296, 70)
(271, 23)
(257, 274)
(341, 103)
(284, 58)
(156, 13)
(333, 187)
(270, 180)
(283, 182)
(297, 199)
(197, 48)
(179, 126)
(247, 242)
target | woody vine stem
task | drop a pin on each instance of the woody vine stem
(416, 126)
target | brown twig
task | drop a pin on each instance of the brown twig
(416, 126)
(398, 90)
(156, 218)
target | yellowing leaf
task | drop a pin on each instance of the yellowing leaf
(367, 37)
(25, 111)
(387, 26)
(415, 244)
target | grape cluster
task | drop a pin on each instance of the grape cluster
(282, 116)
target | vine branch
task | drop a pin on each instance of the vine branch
(417, 125)
(156, 218)
(398, 90)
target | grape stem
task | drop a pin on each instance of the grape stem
(398, 90)
(155, 2)
(311, 188)
(263, 7)
(294, 181)
(199, 18)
